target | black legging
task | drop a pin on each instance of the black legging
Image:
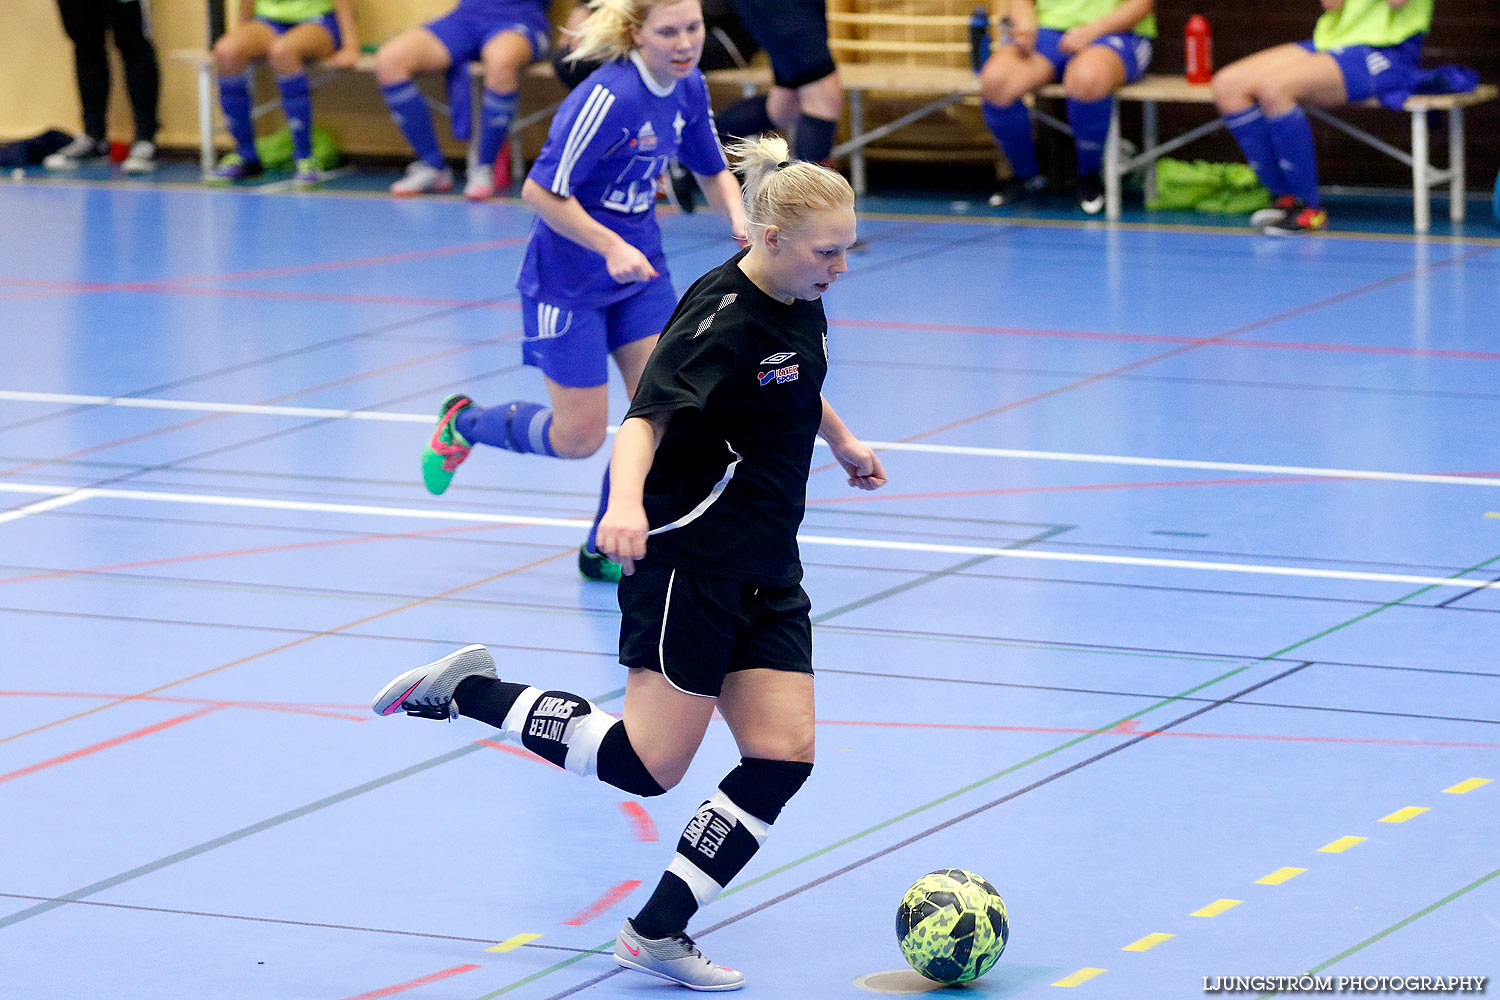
(86, 22)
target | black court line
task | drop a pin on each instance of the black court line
(951, 822)
(1467, 593)
(277, 920)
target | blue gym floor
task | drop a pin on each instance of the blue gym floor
(1177, 620)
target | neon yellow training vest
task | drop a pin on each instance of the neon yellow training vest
(292, 11)
(1061, 15)
(1371, 22)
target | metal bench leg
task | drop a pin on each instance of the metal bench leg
(206, 117)
(1457, 196)
(1112, 164)
(857, 129)
(1420, 164)
(1148, 141)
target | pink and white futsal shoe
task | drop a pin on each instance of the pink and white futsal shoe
(427, 691)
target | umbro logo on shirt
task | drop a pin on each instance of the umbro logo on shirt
(777, 359)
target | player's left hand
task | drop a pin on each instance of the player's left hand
(1075, 40)
(344, 58)
(862, 465)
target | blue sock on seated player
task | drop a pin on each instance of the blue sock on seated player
(234, 98)
(409, 110)
(1296, 154)
(1090, 123)
(1253, 134)
(497, 112)
(296, 102)
(1010, 124)
(516, 426)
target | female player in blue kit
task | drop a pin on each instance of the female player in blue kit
(594, 284)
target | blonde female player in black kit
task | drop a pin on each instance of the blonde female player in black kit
(709, 484)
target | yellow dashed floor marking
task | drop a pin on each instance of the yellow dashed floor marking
(1279, 876)
(1217, 907)
(1402, 815)
(1148, 942)
(512, 943)
(1341, 845)
(1467, 786)
(1081, 976)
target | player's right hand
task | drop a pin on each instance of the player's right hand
(1023, 34)
(627, 264)
(622, 536)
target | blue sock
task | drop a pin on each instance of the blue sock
(517, 426)
(814, 138)
(1090, 121)
(411, 114)
(494, 124)
(1250, 130)
(1011, 126)
(1292, 138)
(234, 98)
(296, 101)
(598, 514)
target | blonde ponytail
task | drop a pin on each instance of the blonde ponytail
(605, 35)
(782, 192)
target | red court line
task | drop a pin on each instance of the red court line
(1124, 730)
(518, 752)
(107, 744)
(616, 892)
(1192, 345)
(1162, 338)
(641, 821)
(1080, 488)
(413, 984)
(333, 265)
(301, 641)
(258, 550)
(320, 711)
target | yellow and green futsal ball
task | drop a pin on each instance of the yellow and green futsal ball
(952, 926)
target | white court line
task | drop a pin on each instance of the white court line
(930, 449)
(51, 503)
(479, 517)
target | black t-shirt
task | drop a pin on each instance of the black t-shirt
(743, 374)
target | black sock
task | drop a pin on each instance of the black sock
(814, 138)
(668, 910)
(744, 120)
(486, 699)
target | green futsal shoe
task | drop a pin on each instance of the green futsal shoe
(598, 566)
(447, 449)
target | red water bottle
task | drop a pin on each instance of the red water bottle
(1200, 50)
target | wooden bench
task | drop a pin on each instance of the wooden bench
(943, 86)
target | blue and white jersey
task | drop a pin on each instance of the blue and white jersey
(610, 140)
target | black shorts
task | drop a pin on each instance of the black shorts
(695, 629)
(794, 34)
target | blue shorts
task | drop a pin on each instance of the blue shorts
(1371, 71)
(572, 346)
(328, 21)
(1134, 51)
(464, 35)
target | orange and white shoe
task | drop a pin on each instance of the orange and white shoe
(1262, 218)
(422, 177)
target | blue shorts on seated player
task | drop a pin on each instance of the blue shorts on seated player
(1134, 51)
(1387, 73)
